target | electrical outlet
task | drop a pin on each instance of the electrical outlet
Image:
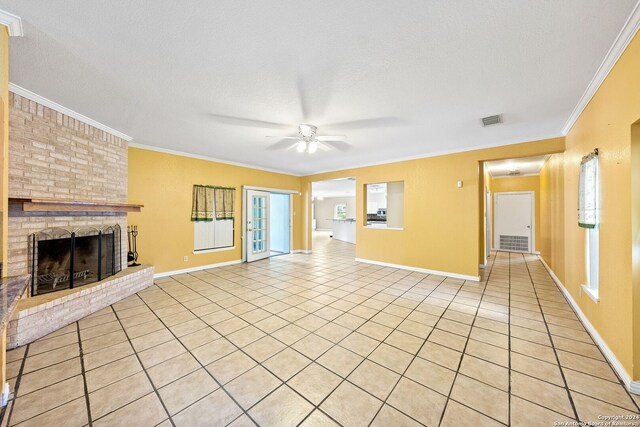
(185, 258)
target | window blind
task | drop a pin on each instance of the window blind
(588, 191)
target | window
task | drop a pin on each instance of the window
(588, 217)
(216, 234)
(385, 205)
(340, 211)
(212, 213)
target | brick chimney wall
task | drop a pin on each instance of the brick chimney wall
(54, 156)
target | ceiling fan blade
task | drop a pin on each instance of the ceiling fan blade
(314, 94)
(338, 145)
(303, 96)
(378, 122)
(331, 137)
(322, 146)
(282, 137)
(243, 121)
(283, 144)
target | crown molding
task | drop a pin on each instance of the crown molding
(12, 22)
(207, 158)
(438, 153)
(621, 42)
(514, 176)
(18, 90)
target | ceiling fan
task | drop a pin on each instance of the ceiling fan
(308, 140)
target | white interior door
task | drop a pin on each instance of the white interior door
(257, 225)
(513, 221)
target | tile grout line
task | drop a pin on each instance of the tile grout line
(386, 289)
(464, 349)
(553, 347)
(380, 310)
(17, 386)
(509, 340)
(316, 407)
(414, 356)
(144, 369)
(202, 366)
(84, 377)
(366, 358)
(597, 346)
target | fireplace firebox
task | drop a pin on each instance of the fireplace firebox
(64, 258)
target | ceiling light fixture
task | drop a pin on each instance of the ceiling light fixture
(301, 146)
(312, 147)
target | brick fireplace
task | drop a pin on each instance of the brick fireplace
(54, 157)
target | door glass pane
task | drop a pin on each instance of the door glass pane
(259, 224)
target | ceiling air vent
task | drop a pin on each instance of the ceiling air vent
(492, 120)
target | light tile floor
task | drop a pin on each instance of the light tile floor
(320, 340)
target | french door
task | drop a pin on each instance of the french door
(257, 225)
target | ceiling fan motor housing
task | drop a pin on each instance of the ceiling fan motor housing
(307, 132)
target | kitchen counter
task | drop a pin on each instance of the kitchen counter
(344, 230)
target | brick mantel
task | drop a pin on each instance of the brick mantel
(53, 205)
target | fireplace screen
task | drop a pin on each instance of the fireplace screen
(65, 259)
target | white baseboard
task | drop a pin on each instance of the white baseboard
(301, 251)
(518, 252)
(199, 268)
(420, 270)
(632, 386)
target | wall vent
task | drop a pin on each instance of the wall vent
(514, 243)
(492, 120)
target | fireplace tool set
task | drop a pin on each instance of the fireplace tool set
(132, 254)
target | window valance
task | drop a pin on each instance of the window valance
(211, 201)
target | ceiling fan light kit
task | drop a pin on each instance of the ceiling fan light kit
(309, 142)
(312, 147)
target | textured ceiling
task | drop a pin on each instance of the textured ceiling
(170, 73)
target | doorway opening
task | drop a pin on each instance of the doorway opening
(333, 210)
(267, 223)
(279, 224)
(512, 204)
